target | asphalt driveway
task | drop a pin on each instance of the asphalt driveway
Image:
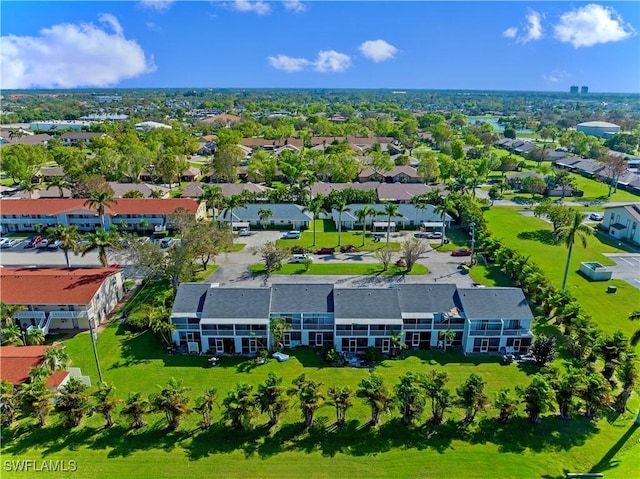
(627, 267)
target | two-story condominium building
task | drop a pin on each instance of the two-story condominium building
(407, 215)
(623, 222)
(237, 320)
(60, 298)
(131, 214)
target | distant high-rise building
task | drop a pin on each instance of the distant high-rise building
(584, 90)
(573, 90)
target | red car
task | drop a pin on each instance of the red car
(325, 251)
(461, 252)
(35, 241)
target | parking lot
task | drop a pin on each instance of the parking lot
(627, 267)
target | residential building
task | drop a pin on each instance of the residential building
(622, 222)
(399, 174)
(282, 215)
(60, 298)
(408, 216)
(17, 362)
(227, 320)
(76, 138)
(125, 213)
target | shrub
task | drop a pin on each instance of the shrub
(372, 354)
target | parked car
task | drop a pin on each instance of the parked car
(43, 244)
(298, 258)
(3, 241)
(435, 235)
(461, 252)
(421, 235)
(166, 242)
(33, 242)
(293, 234)
(9, 243)
(596, 217)
(244, 232)
(325, 251)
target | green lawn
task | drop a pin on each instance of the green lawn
(203, 274)
(137, 363)
(532, 236)
(330, 240)
(340, 269)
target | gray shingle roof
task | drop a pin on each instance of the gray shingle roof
(190, 297)
(366, 303)
(284, 211)
(307, 298)
(494, 303)
(237, 303)
(427, 298)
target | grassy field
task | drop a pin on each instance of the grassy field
(137, 363)
(341, 269)
(532, 236)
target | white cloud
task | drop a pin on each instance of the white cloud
(288, 64)
(326, 61)
(332, 61)
(590, 25)
(378, 50)
(295, 6)
(556, 76)
(533, 30)
(158, 5)
(72, 55)
(510, 32)
(246, 6)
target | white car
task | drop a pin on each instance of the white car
(293, 234)
(43, 244)
(244, 232)
(9, 243)
(298, 258)
(596, 217)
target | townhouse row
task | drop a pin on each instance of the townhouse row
(230, 320)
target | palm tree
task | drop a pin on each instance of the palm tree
(271, 399)
(101, 240)
(341, 207)
(506, 403)
(239, 406)
(635, 337)
(28, 186)
(160, 323)
(99, 200)
(56, 359)
(569, 233)
(264, 214)
(135, 407)
(105, 403)
(73, 402)
(315, 207)
(446, 206)
(8, 311)
(391, 210)
(433, 384)
(68, 237)
(231, 203)
(447, 336)
(12, 336)
(376, 395)
(204, 405)
(340, 398)
(409, 398)
(308, 393)
(537, 397)
(8, 403)
(596, 394)
(212, 195)
(36, 398)
(59, 182)
(362, 214)
(144, 225)
(34, 337)
(172, 400)
(472, 397)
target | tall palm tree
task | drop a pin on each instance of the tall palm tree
(68, 237)
(101, 240)
(99, 200)
(28, 186)
(446, 206)
(8, 311)
(56, 359)
(59, 182)
(568, 234)
(231, 203)
(264, 214)
(315, 207)
(212, 195)
(341, 207)
(391, 210)
(362, 214)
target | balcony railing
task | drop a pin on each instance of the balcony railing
(317, 327)
(517, 332)
(445, 326)
(485, 332)
(416, 327)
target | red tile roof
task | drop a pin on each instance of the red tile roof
(46, 206)
(56, 379)
(51, 285)
(17, 361)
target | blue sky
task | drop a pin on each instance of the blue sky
(539, 46)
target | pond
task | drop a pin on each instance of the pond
(493, 122)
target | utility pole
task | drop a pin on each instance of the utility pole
(94, 338)
(473, 239)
